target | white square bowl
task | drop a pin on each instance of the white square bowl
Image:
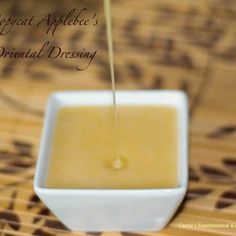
(113, 210)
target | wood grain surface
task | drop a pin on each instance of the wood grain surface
(159, 44)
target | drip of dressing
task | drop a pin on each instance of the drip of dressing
(117, 162)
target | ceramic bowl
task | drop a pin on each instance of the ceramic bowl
(113, 210)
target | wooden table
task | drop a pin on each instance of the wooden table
(159, 44)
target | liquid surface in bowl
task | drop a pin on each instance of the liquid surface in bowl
(83, 148)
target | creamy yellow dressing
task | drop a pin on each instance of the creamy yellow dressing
(117, 161)
(83, 149)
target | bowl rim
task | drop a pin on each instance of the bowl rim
(164, 94)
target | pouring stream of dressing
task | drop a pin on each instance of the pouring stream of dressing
(117, 162)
